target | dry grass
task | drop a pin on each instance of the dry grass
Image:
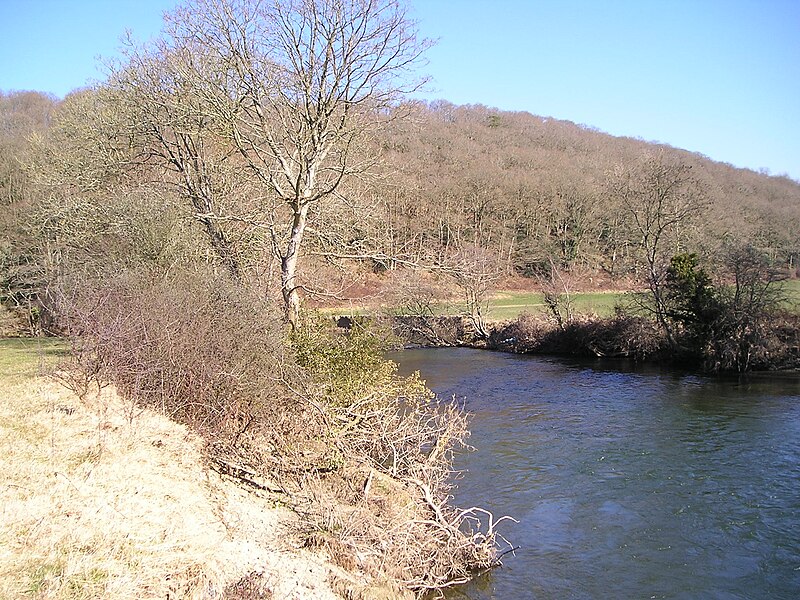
(94, 505)
(286, 412)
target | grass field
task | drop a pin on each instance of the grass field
(792, 289)
(509, 305)
(25, 358)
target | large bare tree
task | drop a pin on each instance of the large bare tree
(660, 199)
(295, 86)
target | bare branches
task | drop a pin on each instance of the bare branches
(660, 198)
(292, 87)
(475, 270)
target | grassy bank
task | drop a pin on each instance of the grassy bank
(22, 359)
(101, 500)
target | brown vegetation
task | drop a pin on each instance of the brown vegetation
(98, 505)
(532, 189)
(363, 455)
(173, 219)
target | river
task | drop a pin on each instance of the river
(627, 482)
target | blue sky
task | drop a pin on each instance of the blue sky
(720, 77)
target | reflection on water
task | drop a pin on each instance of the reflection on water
(628, 482)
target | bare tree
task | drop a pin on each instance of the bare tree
(474, 270)
(298, 85)
(660, 198)
(556, 295)
(171, 129)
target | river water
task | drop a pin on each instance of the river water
(627, 482)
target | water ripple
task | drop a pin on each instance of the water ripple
(628, 483)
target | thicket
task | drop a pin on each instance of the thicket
(621, 336)
(318, 417)
(730, 322)
(736, 319)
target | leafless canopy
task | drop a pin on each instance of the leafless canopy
(297, 85)
(262, 109)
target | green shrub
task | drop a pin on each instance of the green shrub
(349, 367)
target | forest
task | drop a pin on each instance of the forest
(444, 203)
(181, 222)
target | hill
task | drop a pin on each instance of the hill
(531, 188)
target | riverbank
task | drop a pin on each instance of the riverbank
(617, 336)
(103, 499)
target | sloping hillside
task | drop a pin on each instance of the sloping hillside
(532, 187)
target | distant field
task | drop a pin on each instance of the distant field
(509, 305)
(506, 305)
(792, 289)
(23, 358)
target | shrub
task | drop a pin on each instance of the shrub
(622, 335)
(366, 453)
(394, 442)
(194, 347)
(346, 367)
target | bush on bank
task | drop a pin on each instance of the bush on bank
(363, 454)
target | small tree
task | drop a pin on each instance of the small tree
(475, 270)
(690, 301)
(557, 298)
(660, 199)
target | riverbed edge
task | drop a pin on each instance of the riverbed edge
(628, 337)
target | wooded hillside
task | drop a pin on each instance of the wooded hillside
(457, 189)
(532, 188)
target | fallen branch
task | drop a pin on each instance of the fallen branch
(245, 475)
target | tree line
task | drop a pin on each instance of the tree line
(534, 189)
(432, 186)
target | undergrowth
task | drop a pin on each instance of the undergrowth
(363, 454)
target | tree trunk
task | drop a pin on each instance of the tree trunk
(223, 247)
(289, 287)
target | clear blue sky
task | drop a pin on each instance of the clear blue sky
(720, 77)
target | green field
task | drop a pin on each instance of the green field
(509, 305)
(791, 288)
(23, 358)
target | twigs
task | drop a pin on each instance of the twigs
(394, 518)
(366, 454)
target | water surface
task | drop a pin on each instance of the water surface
(628, 483)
